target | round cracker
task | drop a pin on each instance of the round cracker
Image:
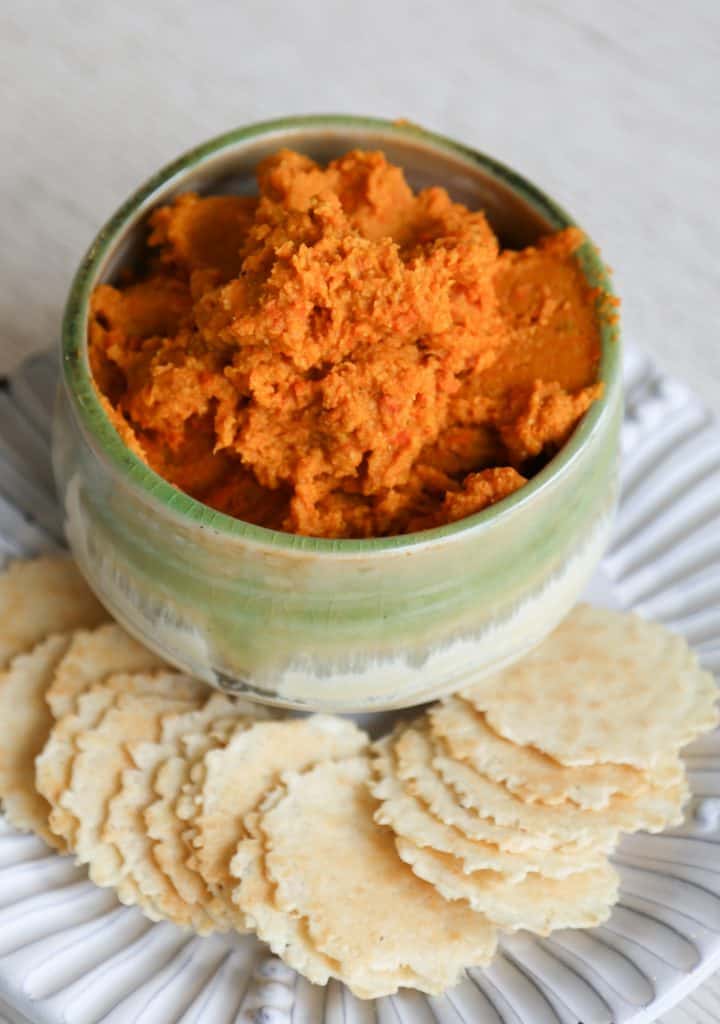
(408, 817)
(93, 655)
(332, 865)
(171, 849)
(164, 827)
(538, 904)
(102, 755)
(25, 722)
(567, 823)
(125, 827)
(113, 668)
(413, 754)
(604, 687)
(168, 816)
(236, 777)
(42, 596)
(532, 775)
(287, 934)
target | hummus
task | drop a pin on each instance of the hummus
(342, 357)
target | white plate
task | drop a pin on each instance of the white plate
(70, 953)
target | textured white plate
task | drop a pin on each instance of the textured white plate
(70, 953)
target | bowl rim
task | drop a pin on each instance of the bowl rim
(88, 408)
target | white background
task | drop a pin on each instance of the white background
(612, 107)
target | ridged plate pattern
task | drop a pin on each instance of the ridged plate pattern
(70, 953)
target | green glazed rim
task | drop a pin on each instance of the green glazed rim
(84, 398)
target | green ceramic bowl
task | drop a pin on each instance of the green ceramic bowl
(343, 625)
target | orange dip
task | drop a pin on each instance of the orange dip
(341, 357)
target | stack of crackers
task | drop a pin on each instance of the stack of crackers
(382, 865)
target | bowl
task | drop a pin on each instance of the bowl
(339, 625)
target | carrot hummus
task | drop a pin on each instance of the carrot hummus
(342, 357)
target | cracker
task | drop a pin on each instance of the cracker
(186, 774)
(409, 818)
(164, 827)
(41, 596)
(604, 687)
(125, 826)
(413, 756)
(25, 722)
(93, 655)
(532, 775)
(113, 667)
(538, 904)
(287, 934)
(166, 830)
(236, 777)
(652, 811)
(138, 880)
(332, 865)
(134, 709)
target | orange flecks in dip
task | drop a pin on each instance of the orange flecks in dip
(341, 357)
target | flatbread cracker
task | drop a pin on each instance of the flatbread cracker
(113, 667)
(42, 596)
(125, 826)
(287, 934)
(412, 762)
(532, 775)
(169, 829)
(139, 881)
(102, 755)
(237, 776)
(164, 827)
(652, 811)
(25, 722)
(408, 817)
(171, 849)
(93, 655)
(333, 865)
(538, 904)
(604, 687)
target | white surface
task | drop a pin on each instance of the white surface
(69, 953)
(612, 107)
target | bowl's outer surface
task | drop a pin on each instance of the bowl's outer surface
(327, 624)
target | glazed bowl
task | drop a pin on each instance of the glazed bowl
(344, 625)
